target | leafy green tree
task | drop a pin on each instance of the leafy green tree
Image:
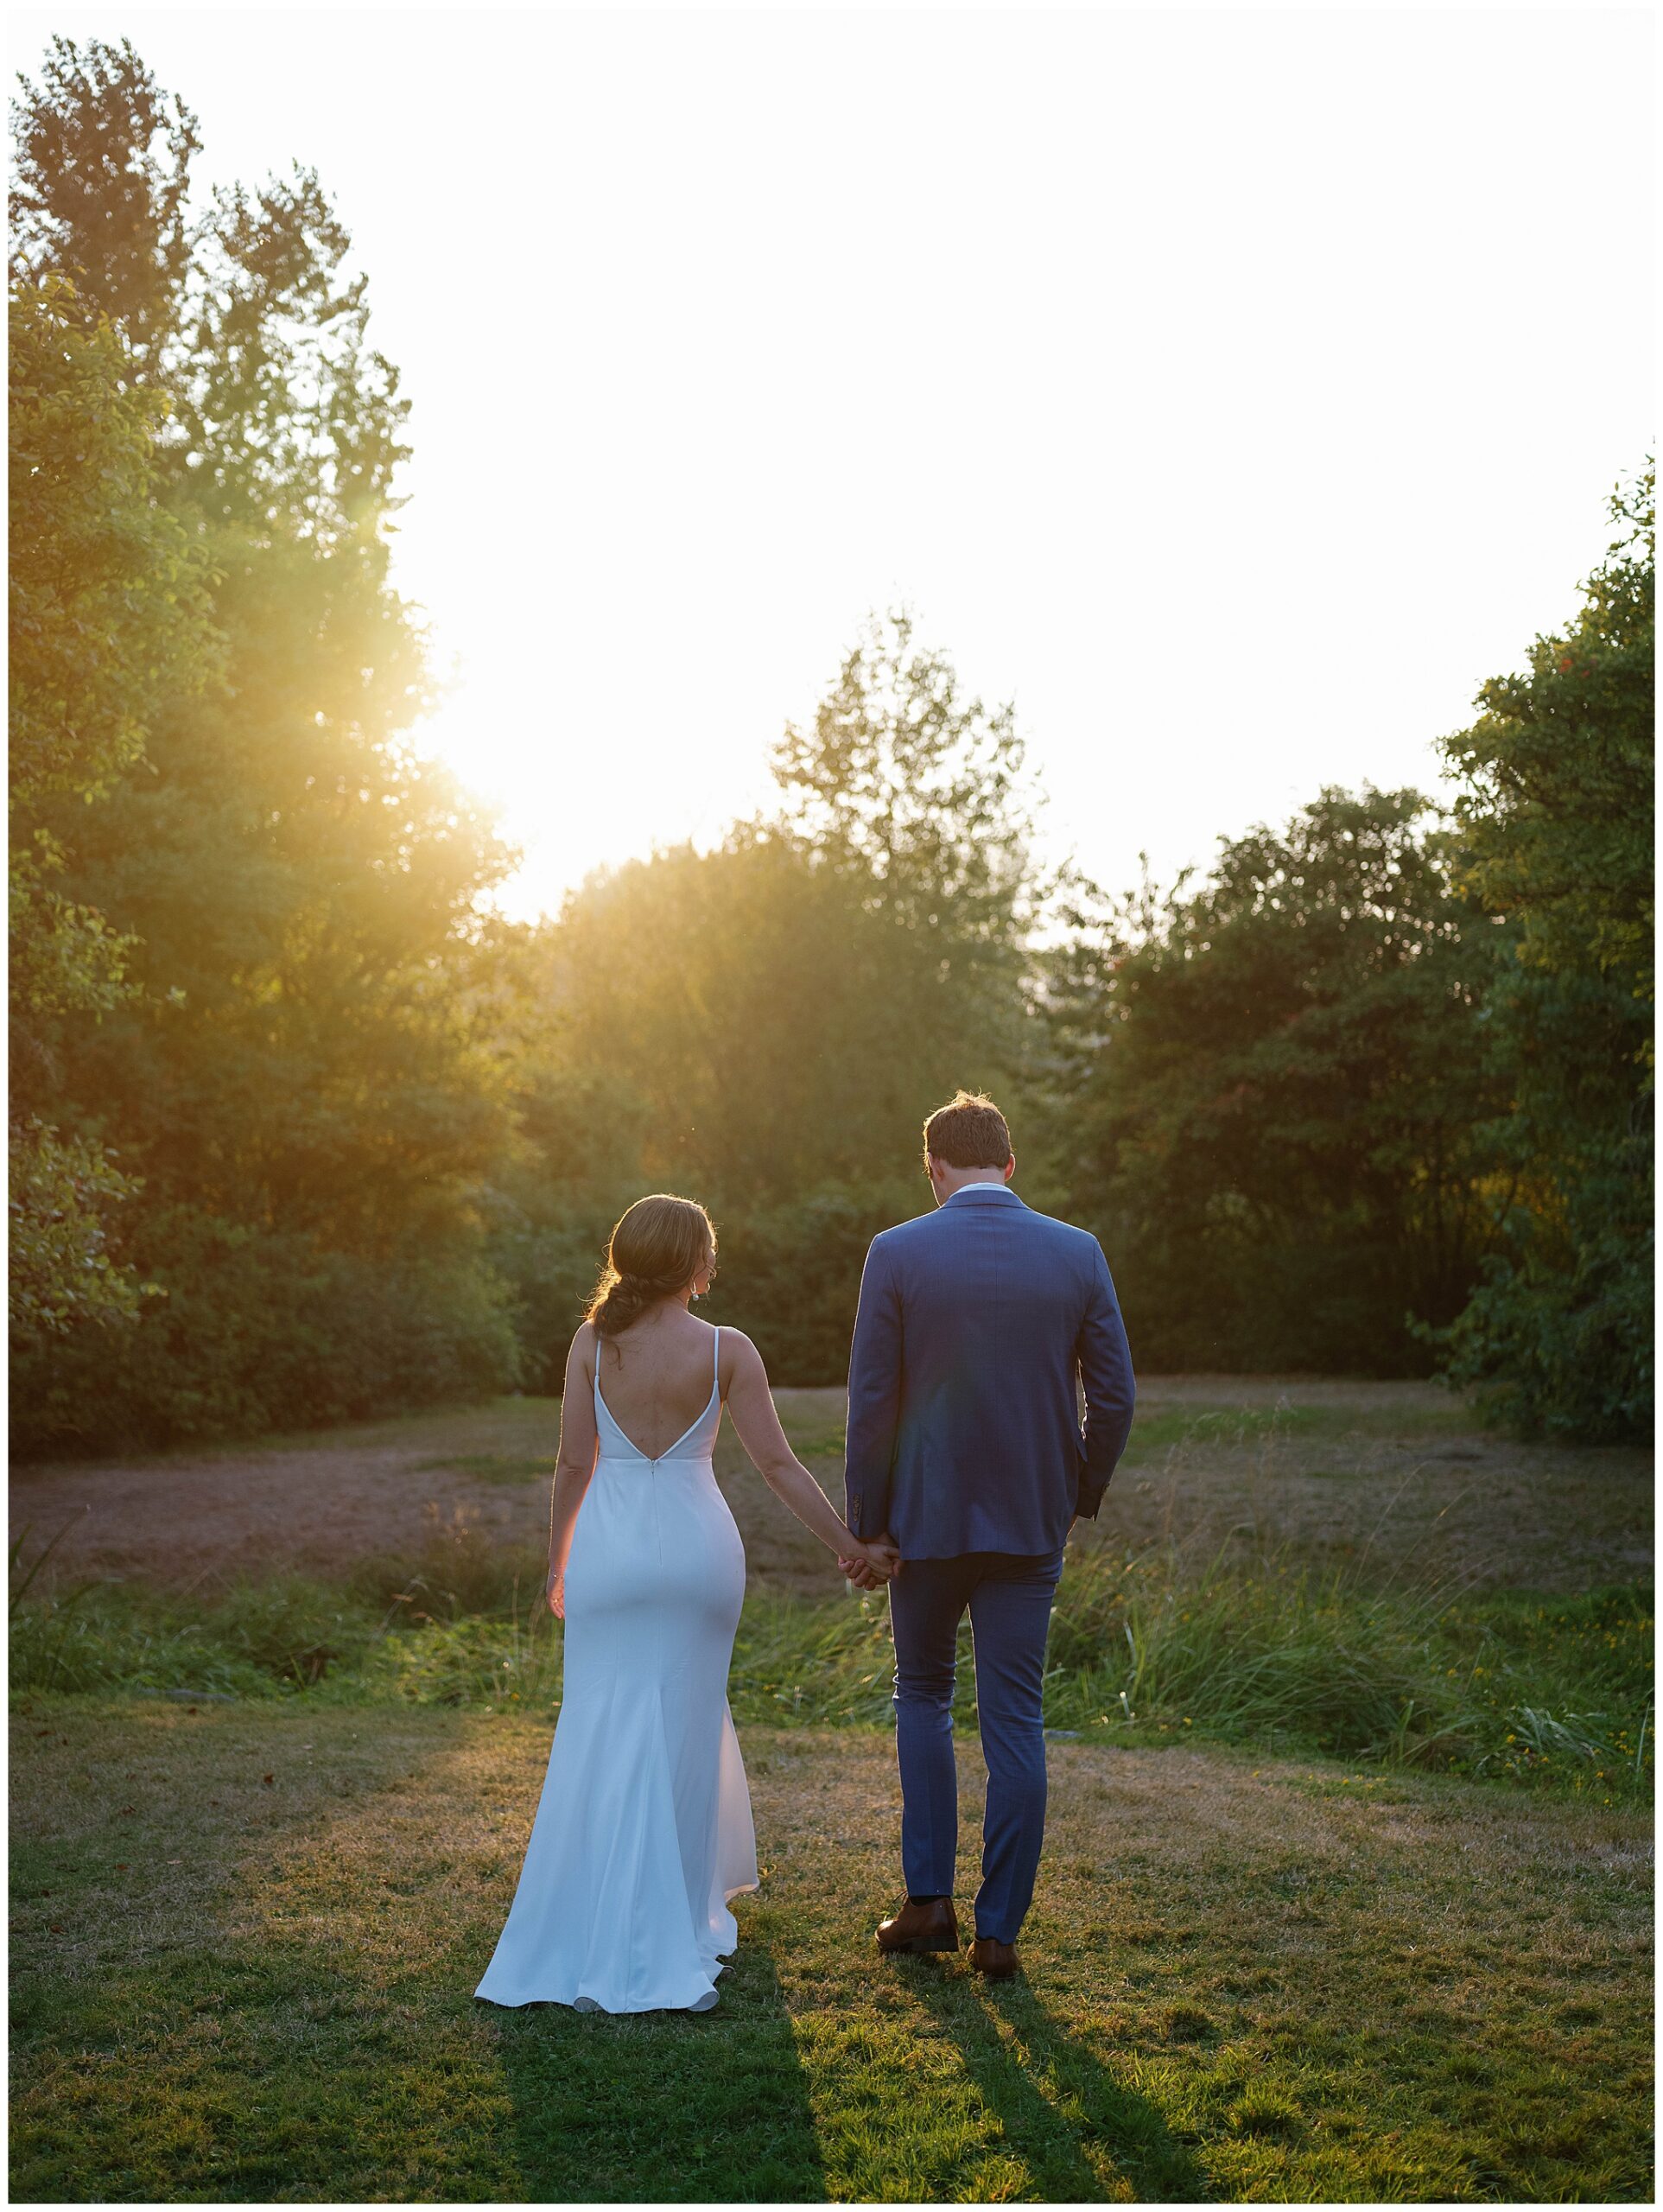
(101, 179)
(1268, 1084)
(918, 798)
(296, 1067)
(107, 619)
(920, 792)
(1556, 824)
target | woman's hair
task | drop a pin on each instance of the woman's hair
(657, 1248)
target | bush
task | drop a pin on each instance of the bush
(790, 1277)
(260, 1330)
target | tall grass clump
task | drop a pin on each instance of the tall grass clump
(1261, 1652)
(1272, 1652)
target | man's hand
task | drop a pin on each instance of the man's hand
(875, 1564)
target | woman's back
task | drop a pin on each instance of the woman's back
(656, 1377)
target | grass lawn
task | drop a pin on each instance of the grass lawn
(245, 1939)
(1345, 1893)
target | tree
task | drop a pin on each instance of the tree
(107, 619)
(295, 1065)
(918, 799)
(721, 1024)
(102, 178)
(1556, 824)
(921, 792)
(765, 1025)
(1268, 1084)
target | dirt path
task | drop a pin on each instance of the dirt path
(1393, 1472)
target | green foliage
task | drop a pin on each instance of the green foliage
(1557, 825)
(763, 1026)
(257, 1323)
(1558, 807)
(107, 616)
(103, 206)
(1376, 1084)
(107, 592)
(283, 896)
(61, 1271)
(920, 793)
(1547, 1691)
(792, 1271)
(1268, 1085)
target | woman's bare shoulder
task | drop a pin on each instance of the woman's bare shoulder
(737, 1356)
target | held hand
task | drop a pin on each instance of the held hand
(885, 1554)
(557, 1592)
(869, 1565)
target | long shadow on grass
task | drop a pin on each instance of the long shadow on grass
(665, 2107)
(1057, 2101)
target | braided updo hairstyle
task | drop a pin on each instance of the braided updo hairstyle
(657, 1249)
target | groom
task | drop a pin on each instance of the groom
(965, 1449)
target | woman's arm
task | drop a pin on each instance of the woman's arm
(756, 1419)
(579, 1444)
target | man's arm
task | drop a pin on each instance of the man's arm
(874, 1399)
(1105, 1360)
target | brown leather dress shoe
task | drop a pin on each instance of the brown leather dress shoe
(998, 1961)
(932, 1927)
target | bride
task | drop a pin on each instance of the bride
(643, 1831)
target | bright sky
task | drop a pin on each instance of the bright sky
(1234, 390)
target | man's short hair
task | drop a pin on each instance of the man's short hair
(970, 1133)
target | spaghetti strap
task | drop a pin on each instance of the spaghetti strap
(716, 1357)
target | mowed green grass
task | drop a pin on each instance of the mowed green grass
(245, 1939)
(1381, 1934)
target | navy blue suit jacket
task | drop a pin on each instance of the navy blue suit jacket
(964, 1431)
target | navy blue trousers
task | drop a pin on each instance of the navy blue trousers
(1010, 1602)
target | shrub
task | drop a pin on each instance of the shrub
(260, 1330)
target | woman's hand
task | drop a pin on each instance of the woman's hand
(557, 1592)
(869, 1565)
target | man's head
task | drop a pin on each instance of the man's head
(967, 1141)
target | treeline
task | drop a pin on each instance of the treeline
(300, 1131)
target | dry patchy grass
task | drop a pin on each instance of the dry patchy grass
(1395, 1474)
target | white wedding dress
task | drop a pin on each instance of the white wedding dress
(643, 1831)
